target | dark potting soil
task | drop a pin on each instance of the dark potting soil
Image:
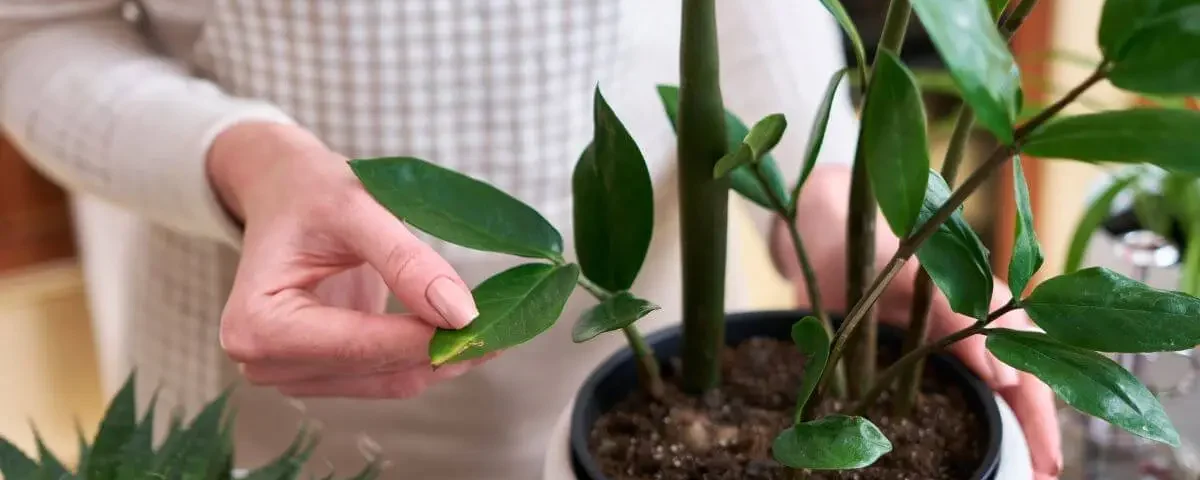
(727, 433)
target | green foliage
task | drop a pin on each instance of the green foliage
(1027, 255)
(457, 208)
(742, 180)
(1095, 214)
(122, 449)
(514, 307)
(1099, 309)
(954, 257)
(836, 442)
(894, 142)
(839, 13)
(812, 339)
(816, 136)
(996, 7)
(978, 58)
(1163, 137)
(613, 203)
(1152, 45)
(1086, 380)
(614, 313)
(758, 143)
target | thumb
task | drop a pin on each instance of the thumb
(422, 280)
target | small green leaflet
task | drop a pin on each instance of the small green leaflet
(816, 136)
(1027, 255)
(894, 142)
(617, 312)
(836, 442)
(514, 307)
(1163, 137)
(813, 341)
(954, 257)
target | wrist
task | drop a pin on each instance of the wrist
(244, 153)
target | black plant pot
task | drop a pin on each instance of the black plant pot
(616, 379)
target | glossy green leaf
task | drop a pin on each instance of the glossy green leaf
(204, 443)
(996, 7)
(894, 142)
(457, 208)
(954, 256)
(514, 307)
(743, 156)
(978, 58)
(742, 180)
(843, 19)
(1086, 380)
(816, 136)
(765, 135)
(813, 341)
(615, 313)
(1098, 309)
(117, 426)
(1152, 45)
(1027, 255)
(836, 442)
(1094, 216)
(1162, 137)
(137, 454)
(613, 203)
(14, 463)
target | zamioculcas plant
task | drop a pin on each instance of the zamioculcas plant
(1149, 48)
(124, 449)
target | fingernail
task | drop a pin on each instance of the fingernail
(452, 301)
(1004, 375)
(454, 370)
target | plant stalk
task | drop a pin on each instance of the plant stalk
(918, 326)
(649, 373)
(906, 362)
(703, 199)
(788, 216)
(860, 229)
(909, 245)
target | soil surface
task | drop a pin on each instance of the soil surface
(727, 434)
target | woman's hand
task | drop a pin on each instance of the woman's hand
(319, 257)
(823, 212)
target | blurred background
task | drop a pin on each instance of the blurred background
(48, 367)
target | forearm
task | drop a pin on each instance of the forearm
(97, 111)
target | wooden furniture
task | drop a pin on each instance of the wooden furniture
(35, 221)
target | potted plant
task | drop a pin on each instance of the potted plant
(640, 416)
(123, 448)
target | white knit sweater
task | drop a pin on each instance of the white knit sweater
(119, 101)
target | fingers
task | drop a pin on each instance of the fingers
(414, 272)
(294, 328)
(1033, 403)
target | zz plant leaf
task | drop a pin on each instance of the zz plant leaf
(954, 257)
(1163, 137)
(839, 13)
(965, 35)
(836, 442)
(614, 313)
(813, 341)
(1098, 309)
(741, 179)
(457, 208)
(1086, 380)
(1027, 255)
(514, 307)
(894, 142)
(816, 136)
(763, 136)
(1151, 45)
(614, 203)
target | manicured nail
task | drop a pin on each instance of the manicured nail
(1004, 375)
(452, 301)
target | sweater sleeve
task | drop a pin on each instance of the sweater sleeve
(777, 56)
(94, 108)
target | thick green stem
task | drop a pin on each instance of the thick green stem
(703, 199)
(905, 363)
(860, 230)
(918, 326)
(648, 370)
(909, 245)
(788, 216)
